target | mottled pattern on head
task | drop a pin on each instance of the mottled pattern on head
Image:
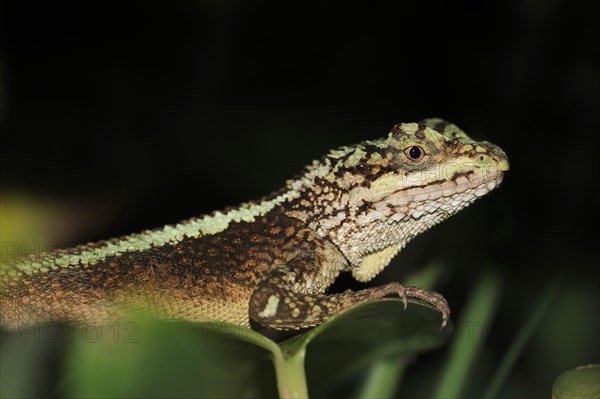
(370, 199)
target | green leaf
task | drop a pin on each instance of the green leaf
(182, 359)
(348, 343)
(156, 360)
(384, 376)
(578, 383)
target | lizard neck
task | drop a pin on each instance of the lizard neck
(368, 238)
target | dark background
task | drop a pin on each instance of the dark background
(139, 114)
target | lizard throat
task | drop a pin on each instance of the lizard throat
(370, 236)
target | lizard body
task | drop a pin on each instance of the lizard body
(271, 261)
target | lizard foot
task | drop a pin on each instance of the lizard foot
(433, 298)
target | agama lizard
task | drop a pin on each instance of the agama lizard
(270, 261)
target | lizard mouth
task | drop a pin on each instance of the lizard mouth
(477, 184)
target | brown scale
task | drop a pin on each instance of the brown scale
(228, 276)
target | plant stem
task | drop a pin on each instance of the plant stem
(289, 371)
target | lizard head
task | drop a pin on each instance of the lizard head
(372, 198)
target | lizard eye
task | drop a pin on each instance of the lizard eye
(414, 153)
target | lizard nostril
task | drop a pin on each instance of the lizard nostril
(481, 157)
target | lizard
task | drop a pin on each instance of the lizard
(270, 262)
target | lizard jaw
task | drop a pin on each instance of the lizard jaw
(482, 184)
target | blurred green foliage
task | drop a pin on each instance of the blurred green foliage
(150, 359)
(581, 382)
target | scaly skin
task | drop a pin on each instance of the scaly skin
(270, 262)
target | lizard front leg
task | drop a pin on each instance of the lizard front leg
(292, 295)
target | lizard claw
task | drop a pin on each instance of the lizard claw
(396, 289)
(404, 298)
(433, 298)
